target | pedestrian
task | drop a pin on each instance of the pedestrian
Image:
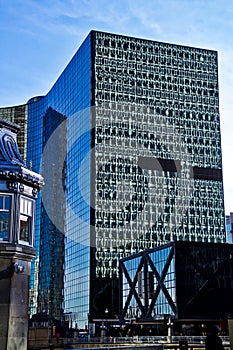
(57, 336)
(213, 340)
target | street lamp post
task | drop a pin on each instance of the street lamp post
(169, 329)
(103, 326)
(18, 191)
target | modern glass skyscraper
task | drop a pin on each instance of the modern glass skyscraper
(140, 165)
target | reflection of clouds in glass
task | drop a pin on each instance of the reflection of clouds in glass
(131, 174)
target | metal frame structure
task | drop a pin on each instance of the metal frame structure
(188, 279)
(146, 261)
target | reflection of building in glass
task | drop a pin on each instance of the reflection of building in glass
(25, 219)
(143, 163)
(5, 204)
(229, 228)
(181, 279)
(51, 265)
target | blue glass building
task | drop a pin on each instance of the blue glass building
(128, 141)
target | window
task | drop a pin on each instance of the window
(25, 220)
(25, 223)
(5, 205)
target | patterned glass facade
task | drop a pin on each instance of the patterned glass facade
(229, 228)
(140, 165)
(157, 149)
(18, 115)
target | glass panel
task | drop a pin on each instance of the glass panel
(25, 206)
(4, 225)
(7, 202)
(25, 227)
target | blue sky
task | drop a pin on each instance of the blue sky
(39, 37)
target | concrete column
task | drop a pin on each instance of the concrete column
(15, 265)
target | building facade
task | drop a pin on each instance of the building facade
(140, 165)
(229, 228)
(182, 280)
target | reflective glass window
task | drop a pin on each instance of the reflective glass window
(25, 221)
(5, 206)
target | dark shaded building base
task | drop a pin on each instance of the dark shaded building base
(188, 284)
